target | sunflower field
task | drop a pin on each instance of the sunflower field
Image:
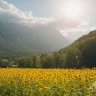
(47, 82)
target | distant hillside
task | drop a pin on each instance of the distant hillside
(81, 53)
(87, 47)
(50, 37)
(17, 38)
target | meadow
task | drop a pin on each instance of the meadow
(47, 82)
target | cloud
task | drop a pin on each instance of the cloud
(85, 23)
(64, 22)
(75, 33)
(9, 13)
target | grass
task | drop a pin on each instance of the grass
(47, 82)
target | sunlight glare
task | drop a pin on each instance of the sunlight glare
(72, 10)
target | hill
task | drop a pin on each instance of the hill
(16, 39)
(81, 53)
(50, 37)
(86, 45)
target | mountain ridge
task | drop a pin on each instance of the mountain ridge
(45, 38)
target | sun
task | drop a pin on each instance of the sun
(72, 10)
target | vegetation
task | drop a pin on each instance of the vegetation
(81, 53)
(5, 63)
(47, 82)
(73, 58)
(25, 62)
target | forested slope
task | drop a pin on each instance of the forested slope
(81, 53)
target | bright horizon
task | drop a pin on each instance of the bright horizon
(73, 18)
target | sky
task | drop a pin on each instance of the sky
(52, 12)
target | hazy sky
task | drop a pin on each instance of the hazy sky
(52, 12)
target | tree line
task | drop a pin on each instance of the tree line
(82, 53)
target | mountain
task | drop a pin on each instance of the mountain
(8, 47)
(23, 35)
(50, 36)
(19, 38)
(81, 53)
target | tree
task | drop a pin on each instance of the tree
(5, 63)
(49, 61)
(43, 60)
(89, 52)
(36, 61)
(58, 59)
(25, 62)
(46, 61)
(72, 58)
